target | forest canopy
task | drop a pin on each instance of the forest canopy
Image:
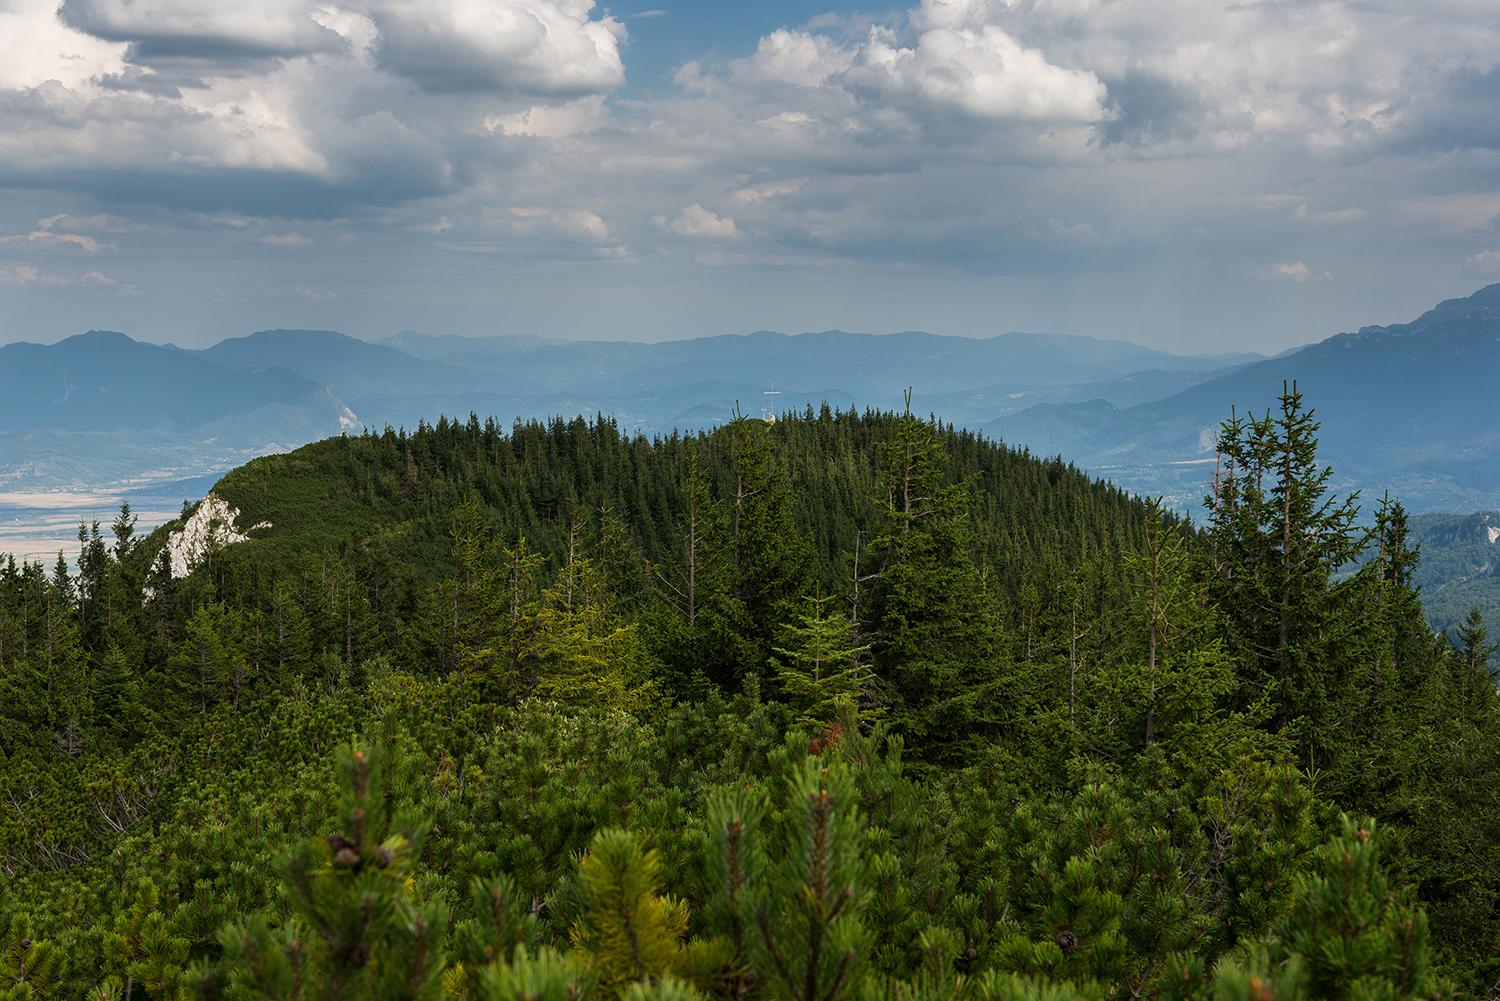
(840, 706)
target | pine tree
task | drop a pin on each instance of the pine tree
(31, 969)
(736, 873)
(632, 932)
(1350, 935)
(546, 975)
(358, 932)
(148, 955)
(502, 923)
(495, 940)
(810, 943)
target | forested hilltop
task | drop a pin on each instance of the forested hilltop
(844, 707)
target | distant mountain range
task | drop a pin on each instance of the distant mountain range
(102, 381)
(863, 365)
(103, 410)
(1409, 407)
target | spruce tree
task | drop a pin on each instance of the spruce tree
(1474, 653)
(772, 562)
(817, 665)
(208, 668)
(1176, 672)
(933, 635)
(1277, 539)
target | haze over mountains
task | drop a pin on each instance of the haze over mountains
(1406, 407)
(1409, 408)
(101, 410)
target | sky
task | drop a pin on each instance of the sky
(1194, 176)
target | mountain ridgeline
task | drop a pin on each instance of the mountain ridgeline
(100, 409)
(1407, 408)
(102, 381)
(580, 479)
(841, 707)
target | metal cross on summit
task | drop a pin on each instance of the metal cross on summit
(773, 392)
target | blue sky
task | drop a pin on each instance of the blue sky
(670, 35)
(1192, 176)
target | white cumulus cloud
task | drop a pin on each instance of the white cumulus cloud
(286, 240)
(194, 29)
(1161, 143)
(983, 71)
(798, 57)
(551, 121)
(1483, 265)
(544, 47)
(24, 275)
(147, 90)
(1296, 271)
(695, 220)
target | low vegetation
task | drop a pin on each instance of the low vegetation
(839, 708)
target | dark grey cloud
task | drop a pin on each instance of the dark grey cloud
(133, 78)
(1459, 115)
(184, 29)
(1149, 109)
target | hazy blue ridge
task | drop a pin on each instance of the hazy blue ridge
(1404, 407)
(354, 369)
(105, 381)
(1407, 407)
(882, 365)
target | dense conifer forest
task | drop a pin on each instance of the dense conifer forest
(841, 707)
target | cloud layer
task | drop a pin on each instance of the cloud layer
(1273, 147)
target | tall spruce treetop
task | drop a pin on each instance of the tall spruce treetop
(934, 637)
(1471, 640)
(1277, 538)
(772, 561)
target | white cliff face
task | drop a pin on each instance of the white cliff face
(212, 524)
(348, 422)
